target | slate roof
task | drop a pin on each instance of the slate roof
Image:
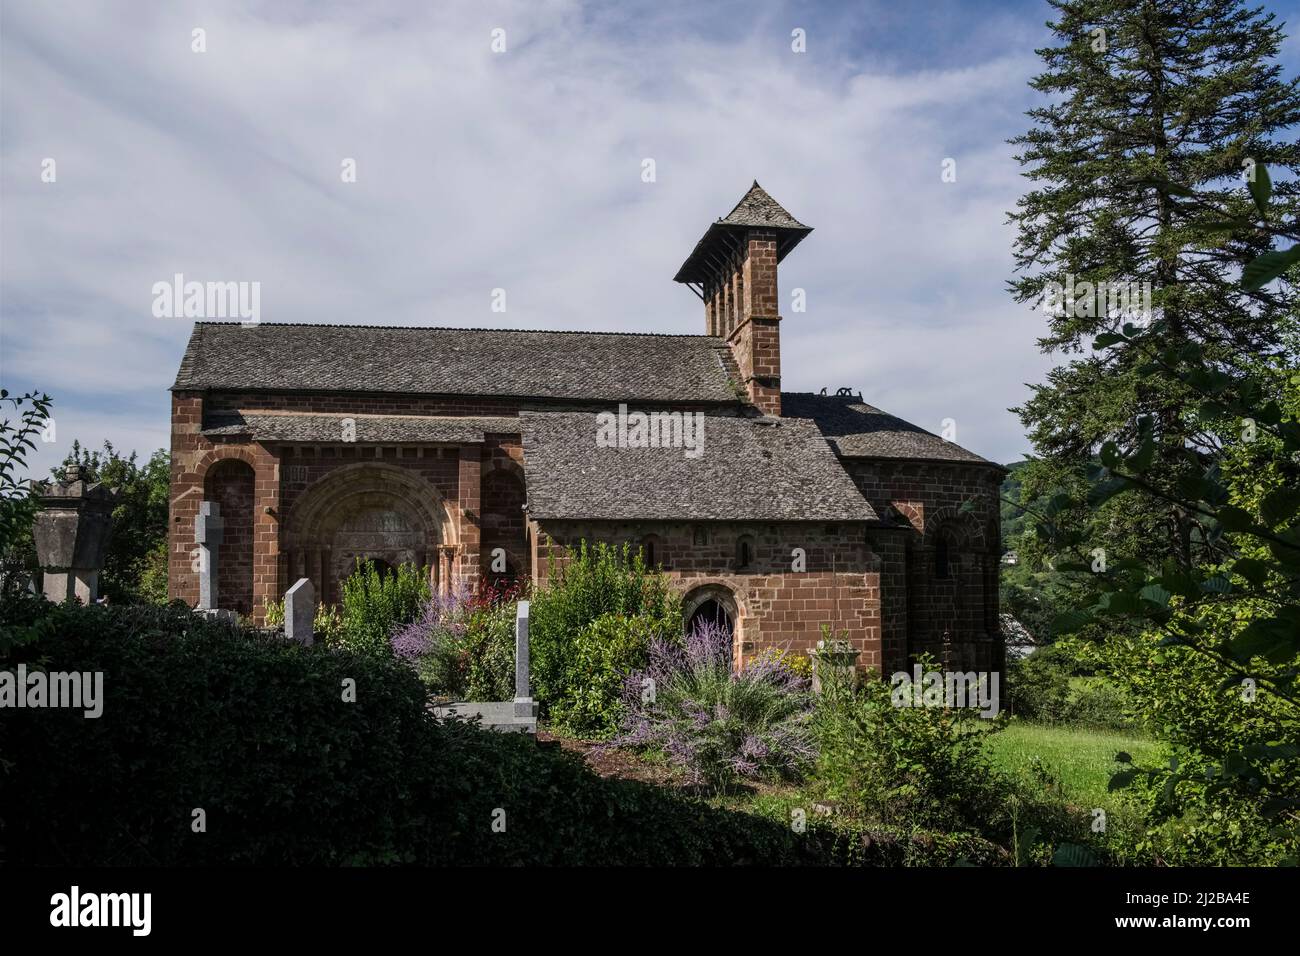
(369, 429)
(584, 366)
(756, 210)
(747, 470)
(859, 430)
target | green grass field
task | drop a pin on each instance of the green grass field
(1082, 760)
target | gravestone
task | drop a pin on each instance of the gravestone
(71, 533)
(208, 529)
(525, 706)
(300, 612)
(517, 716)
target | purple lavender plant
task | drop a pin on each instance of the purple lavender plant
(720, 726)
(433, 642)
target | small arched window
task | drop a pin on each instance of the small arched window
(941, 559)
(650, 551)
(744, 551)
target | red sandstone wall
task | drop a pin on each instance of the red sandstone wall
(955, 619)
(254, 568)
(777, 607)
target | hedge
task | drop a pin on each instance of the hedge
(255, 732)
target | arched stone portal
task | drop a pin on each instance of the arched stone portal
(715, 604)
(366, 512)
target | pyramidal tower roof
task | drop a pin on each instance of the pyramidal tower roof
(756, 210)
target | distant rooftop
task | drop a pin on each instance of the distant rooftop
(859, 430)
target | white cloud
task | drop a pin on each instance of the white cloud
(478, 170)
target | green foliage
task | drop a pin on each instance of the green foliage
(1037, 689)
(255, 732)
(1121, 193)
(605, 651)
(1047, 687)
(490, 652)
(719, 725)
(1193, 417)
(571, 673)
(273, 613)
(17, 504)
(375, 604)
(925, 767)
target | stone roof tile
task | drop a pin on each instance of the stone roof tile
(584, 366)
(859, 430)
(748, 468)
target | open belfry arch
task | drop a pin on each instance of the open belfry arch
(471, 452)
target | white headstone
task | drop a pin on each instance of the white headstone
(300, 612)
(524, 704)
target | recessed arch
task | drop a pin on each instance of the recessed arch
(365, 511)
(231, 482)
(328, 503)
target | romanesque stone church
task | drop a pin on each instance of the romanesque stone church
(488, 453)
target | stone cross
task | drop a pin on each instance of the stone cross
(208, 527)
(300, 612)
(525, 706)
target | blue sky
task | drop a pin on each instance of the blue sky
(521, 171)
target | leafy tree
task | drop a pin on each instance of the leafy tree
(17, 503)
(1190, 409)
(1215, 658)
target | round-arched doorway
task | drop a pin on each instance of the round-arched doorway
(712, 612)
(711, 604)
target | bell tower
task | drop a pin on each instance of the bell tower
(733, 270)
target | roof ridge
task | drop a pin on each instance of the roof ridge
(462, 328)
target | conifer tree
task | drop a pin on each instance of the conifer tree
(1155, 111)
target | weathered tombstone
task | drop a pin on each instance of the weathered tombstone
(71, 533)
(525, 706)
(833, 660)
(208, 529)
(300, 612)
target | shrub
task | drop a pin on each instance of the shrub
(434, 644)
(605, 652)
(462, 646)
(1096, 702)
(251, 728)
(800, 664)
(490, 650)
(1038, 689)
(924, 767)
(273, 614)
(597, 581)
(254, 730)
(375, 604)
(719, 725)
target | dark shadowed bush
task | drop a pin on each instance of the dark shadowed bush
(256, 733)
